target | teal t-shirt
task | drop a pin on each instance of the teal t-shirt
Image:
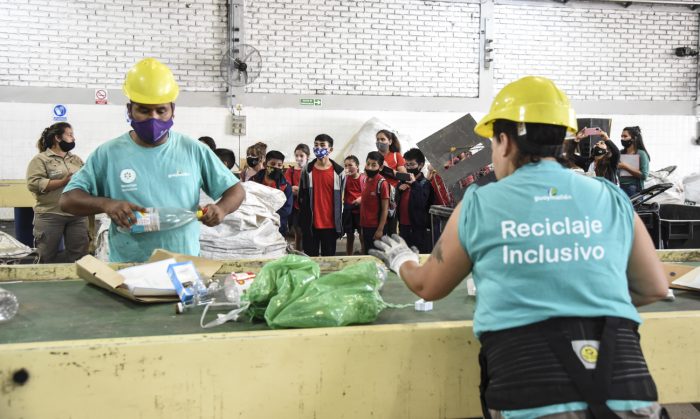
(169, 175)
(547, 242)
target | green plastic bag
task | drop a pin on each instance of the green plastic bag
(290, 292)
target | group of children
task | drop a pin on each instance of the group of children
(326, 200)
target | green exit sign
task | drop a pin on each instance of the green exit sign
(310, 102)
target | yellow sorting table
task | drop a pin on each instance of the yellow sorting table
(14, 194)
(76, 351)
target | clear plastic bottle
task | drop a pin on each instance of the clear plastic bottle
(8, 305)
(160, 219)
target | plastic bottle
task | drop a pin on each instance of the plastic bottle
(8, 305)
(160, 219)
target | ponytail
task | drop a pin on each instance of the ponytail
(49, 134)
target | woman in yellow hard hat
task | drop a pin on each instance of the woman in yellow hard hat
(151, 167)
(559, 261)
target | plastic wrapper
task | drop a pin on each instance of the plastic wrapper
(290, 293)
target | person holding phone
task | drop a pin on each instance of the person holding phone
(558, 330)
(632, 177)
(604, 157)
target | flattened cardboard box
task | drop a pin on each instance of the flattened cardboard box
(100, 274)
(676, 273)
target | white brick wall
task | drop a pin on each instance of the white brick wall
(388, 48)
(91, 43)
(598, 54)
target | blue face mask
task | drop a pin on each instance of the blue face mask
(321, 152)
(152, 130)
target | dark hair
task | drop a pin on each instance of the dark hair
(50, 133)
(395, 145)
(209, 142)
(274, 154)
(227, 156)
(353, 158)
(415, 154)
(304, 149)
(376, 156)
(324, 137)
(636, 134)
(539, 140)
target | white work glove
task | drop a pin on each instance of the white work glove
(394, 252)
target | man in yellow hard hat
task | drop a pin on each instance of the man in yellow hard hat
(559, 262)
(151, 167)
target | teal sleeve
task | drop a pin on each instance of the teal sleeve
(462, 224)
(86, 178)
(216, 177)
(643, 164)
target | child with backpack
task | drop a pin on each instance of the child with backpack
(354, 185)
(374, 206)
(321, 200)
(414, 199)
(273, 176)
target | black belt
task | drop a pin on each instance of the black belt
(535, 365)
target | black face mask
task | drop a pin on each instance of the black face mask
(415, 172)
(597, 151)
(252, 161)
(626, 143)
(66, 146)
(274, 173)
(371, 173)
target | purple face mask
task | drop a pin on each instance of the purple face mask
(152, 130)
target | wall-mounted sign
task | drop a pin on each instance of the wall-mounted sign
(59, 113)
(101, 96)
(310, 102)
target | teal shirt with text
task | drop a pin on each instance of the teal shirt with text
(169, 175)
(547, 242)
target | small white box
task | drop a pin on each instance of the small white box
(422, 305)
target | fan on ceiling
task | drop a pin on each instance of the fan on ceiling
(241, 65)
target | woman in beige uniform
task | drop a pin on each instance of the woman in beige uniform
(47, 175)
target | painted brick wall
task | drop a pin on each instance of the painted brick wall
(91, 43)
(389, 48)
(598, 53)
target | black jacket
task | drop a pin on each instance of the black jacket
(419, 202)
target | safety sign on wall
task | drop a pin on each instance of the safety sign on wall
(101, 96)
(59, 113)
(310, 102)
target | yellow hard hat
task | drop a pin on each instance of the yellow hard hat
(530, 99)
(150, 82)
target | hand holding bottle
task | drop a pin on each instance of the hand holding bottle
(122, 212)
(213, 215)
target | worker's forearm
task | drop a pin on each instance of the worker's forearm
(413, 275)
(641, 300)
(232, 198)
(79, 202)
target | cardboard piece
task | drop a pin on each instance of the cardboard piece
(679, 275)
(100, 274)
(452, 141)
